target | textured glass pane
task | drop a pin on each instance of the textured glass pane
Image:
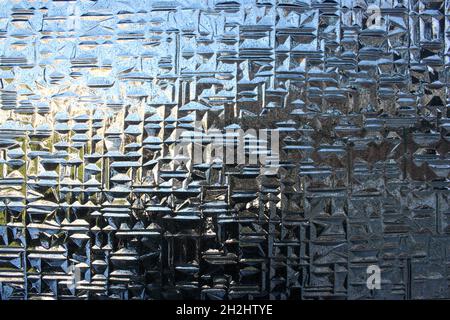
(273, 149)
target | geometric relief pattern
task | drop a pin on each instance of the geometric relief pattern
(96, 204)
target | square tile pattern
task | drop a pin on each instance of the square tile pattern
(95, 202)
